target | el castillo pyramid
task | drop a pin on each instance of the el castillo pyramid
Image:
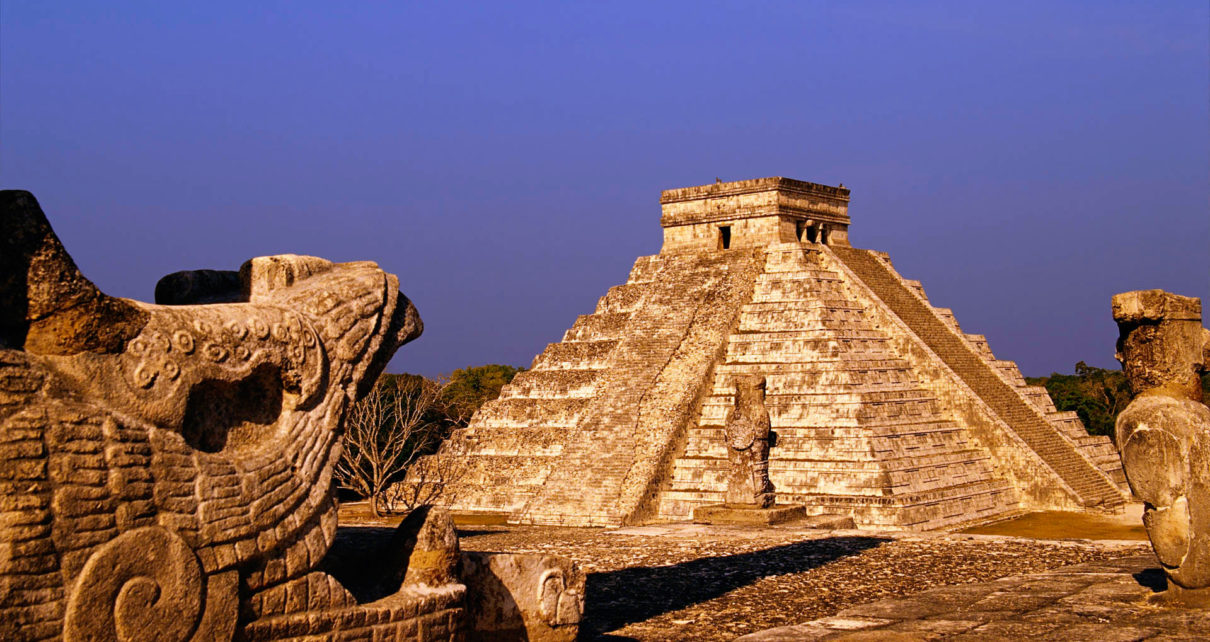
(884, 408)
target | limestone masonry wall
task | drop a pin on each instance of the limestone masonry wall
(1073, 457)
(858, 432)
(578, 439)
(885, 410)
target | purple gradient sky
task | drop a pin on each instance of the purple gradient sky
(1024, 160)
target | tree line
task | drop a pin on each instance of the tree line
(1097, 395)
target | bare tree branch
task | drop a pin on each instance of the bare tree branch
(385, 433)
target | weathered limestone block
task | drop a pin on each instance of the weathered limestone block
(523, 597)
(748, 433)
(166, 470)
(1164, 434)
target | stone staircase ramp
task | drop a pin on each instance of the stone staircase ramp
(1092, 486)
(675, 330)
(852, 420)
(1097, 449)
(951, 507)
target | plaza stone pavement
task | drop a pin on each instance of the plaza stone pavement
(1104, 601)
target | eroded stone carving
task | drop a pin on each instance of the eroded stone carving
(748, 433)
(165, 470)
(1164, 434)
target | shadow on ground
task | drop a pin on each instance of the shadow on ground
(630, 595)
(1152, 578)
(361, 559)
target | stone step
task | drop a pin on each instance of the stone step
(1039, 398)
(597, 327)
(804, 306)
(841, 448)
(623, 299)
(886, 426)
(781, 338)
(520, 413)
(831, 350)
(798, 291)
(812, 321)
(645, 269)
(540, 384)
(487, 469)
(844, 363)
(578, 355)
(845, 383)
(791, 260)
(941, 508)
(855, 462)
(799, 277)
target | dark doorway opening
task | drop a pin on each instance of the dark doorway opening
(724, 237)
(812, 233)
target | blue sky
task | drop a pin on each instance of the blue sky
(1024, 160)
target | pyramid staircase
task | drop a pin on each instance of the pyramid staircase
(858, 434)
(514, 442)
(1083, 462)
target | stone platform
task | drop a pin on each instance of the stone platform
(1103, 601)
(743, 514)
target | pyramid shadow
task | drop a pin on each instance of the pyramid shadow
(617, 598)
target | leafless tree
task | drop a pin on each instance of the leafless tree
(429, 478)
(386, 432)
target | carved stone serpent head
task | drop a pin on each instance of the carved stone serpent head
(160, 463)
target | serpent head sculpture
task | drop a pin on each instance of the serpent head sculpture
(167, 468)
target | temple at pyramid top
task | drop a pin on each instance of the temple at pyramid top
(755, 212)
(886, 410)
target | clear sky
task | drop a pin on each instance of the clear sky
(1025, 160)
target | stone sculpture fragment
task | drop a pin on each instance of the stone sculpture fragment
(1164, 434)
(166, 469)
(748, 433)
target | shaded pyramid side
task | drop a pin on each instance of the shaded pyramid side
(582, 437)
(858, 432)
(510, 446)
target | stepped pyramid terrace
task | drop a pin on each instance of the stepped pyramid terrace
(884, 408)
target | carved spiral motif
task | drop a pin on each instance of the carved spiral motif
(145, 584)
(183, 341)
(145, 374)
(215, 352)
(260, 329)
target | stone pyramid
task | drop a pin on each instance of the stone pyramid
(885, 409)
